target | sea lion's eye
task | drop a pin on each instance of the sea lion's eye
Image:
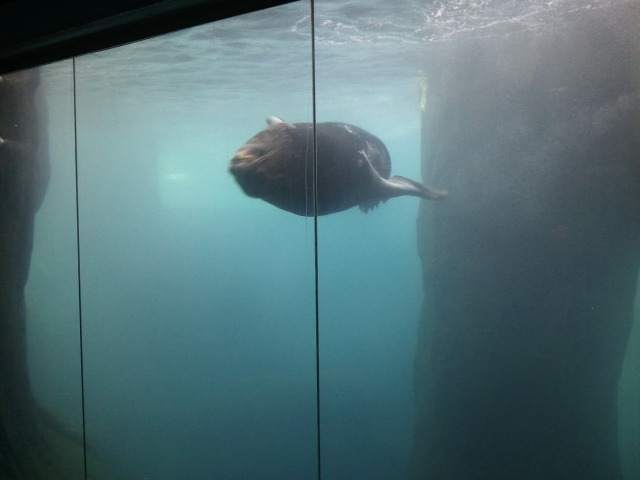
(258, 152)
(254, 150)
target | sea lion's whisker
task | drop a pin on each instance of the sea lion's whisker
(268, 154)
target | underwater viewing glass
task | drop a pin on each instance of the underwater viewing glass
(198, 304)
(462, 306)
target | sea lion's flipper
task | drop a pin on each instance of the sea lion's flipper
(369, 205)
(274, 120)
(397, 186)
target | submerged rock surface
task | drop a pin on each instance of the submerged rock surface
(530, 267)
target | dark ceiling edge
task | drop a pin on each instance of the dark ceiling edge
(121, 29)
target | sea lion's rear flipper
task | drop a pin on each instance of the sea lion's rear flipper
(397, 186)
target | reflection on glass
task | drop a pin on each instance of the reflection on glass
(40, 404)
(52, 291)
(198, 301)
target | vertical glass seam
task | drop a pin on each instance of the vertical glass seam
(75, 154)
(315, 234)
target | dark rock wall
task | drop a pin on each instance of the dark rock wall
(530, 265)
(24, 174)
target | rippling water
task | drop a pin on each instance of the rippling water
(357, 38)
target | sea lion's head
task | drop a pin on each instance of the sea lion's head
(258, 165)
(248, 168)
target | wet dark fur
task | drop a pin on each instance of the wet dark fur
(276, 165)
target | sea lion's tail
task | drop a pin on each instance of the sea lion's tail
(403, 186)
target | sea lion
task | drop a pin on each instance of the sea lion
(353, 168)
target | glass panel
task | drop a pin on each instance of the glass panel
(370, 286)
(38, 145)
(39, 345)
(52, 291)
(528, 113)
(198, 301)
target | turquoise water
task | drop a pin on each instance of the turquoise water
(198, 302)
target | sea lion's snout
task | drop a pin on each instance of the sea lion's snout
(251, 169)
(246, 157)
